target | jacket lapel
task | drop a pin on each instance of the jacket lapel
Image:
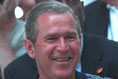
(92, 57)
(96, 19)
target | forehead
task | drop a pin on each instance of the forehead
(45, 17)
(49, 20)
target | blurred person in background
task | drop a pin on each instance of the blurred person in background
(7, 22)
(12, 34)
(101, 18)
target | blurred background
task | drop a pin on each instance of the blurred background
(86, 2)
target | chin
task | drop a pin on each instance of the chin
(63, 74)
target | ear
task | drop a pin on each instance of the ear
(30, 48)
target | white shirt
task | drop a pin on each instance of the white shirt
(113, 25)
(78, 68)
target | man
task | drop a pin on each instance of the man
(99, 56)
(95, 58)
(56, 50)
(53, 42)
(101, 18)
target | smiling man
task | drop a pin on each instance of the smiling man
(53, 40)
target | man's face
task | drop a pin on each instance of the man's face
(57, 47)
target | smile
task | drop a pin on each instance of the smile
(62, 59)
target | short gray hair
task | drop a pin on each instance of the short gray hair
(46, 7)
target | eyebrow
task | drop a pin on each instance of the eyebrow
(56, 34)
(71, 33)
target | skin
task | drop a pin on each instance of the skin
(111, 2)
(57, 47)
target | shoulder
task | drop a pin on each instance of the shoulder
(94, 43)
(80, 75)
(89, 76)
(20, 62)
(99, 41)
(17, 66)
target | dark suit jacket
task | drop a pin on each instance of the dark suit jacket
(97, 53)
(22, 68)
(96, 19)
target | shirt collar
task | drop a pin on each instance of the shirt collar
(113, 8)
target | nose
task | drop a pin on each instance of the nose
(62, 45)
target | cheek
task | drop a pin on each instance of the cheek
(43, 54)
(75, 46)
(45, 49)
(75, 49)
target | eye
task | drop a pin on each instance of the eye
(51, 39)
(70, 37)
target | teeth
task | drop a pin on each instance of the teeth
(61, 59)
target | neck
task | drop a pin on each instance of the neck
(56, 77)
